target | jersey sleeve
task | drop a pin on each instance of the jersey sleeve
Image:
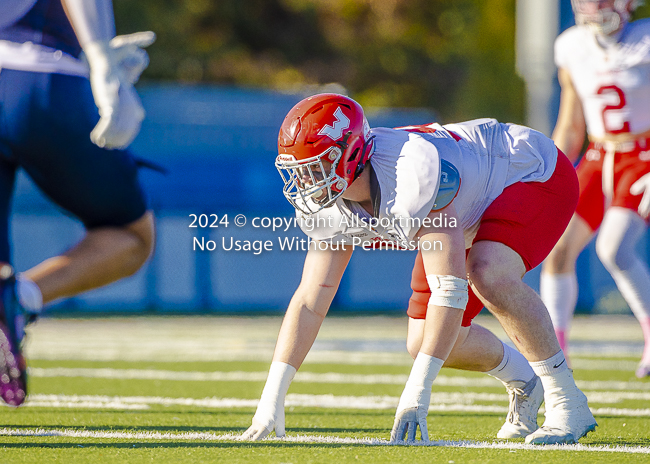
(562, 48)
(409, 175)
(565, 45)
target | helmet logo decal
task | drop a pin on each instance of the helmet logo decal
(335, 131)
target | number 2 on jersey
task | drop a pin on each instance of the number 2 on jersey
(620, 105)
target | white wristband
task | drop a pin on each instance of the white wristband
(417, 390)
(448, 291)
(275, 390)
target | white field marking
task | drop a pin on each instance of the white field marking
(349, 340)
(603, 364)
(439, 402)
(307, 377)
(248, 351)
(313, 439)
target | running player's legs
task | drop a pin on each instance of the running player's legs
(619, 234)
(98, 186)
(13, 94)
(7, 175)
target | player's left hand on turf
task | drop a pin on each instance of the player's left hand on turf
(268, 417)
(406, 424)
(642, 186)
(258, 431)
(412, 413)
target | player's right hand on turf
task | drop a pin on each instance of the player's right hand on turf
(264, 423)
(406, 424)
(270, 410)
(413, 405)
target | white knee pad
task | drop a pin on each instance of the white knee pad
(448, 291)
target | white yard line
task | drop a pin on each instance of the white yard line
(349, 340)
(311, 439)
(307, 377)
(439, 402)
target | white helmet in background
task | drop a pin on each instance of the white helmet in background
(604, 16)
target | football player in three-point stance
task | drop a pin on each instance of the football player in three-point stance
(507, 194)
(66, 122)
(604, 72)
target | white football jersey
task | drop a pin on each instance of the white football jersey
(488, 155)
(612, 82)
(20, 47)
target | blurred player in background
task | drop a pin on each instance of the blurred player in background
(501, 191)
(66, 121)
(604, 72)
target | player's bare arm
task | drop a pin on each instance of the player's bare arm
(321, 277)
(445, 270)
(442, 323)
(569, 132)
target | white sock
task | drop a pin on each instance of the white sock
(557, 380)
(559, 293)
(553, 366)
(29, 295)
(513, 367)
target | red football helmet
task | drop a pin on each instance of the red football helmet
(604, 16)
(323, 146)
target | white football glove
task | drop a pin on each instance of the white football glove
(130, 55)
(270, 410)
(414, 403)
(114, 68)
(267, 418)
(642, 186)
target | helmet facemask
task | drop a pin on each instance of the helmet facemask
(312, 179)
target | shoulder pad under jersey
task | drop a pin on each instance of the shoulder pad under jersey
(449, 185)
